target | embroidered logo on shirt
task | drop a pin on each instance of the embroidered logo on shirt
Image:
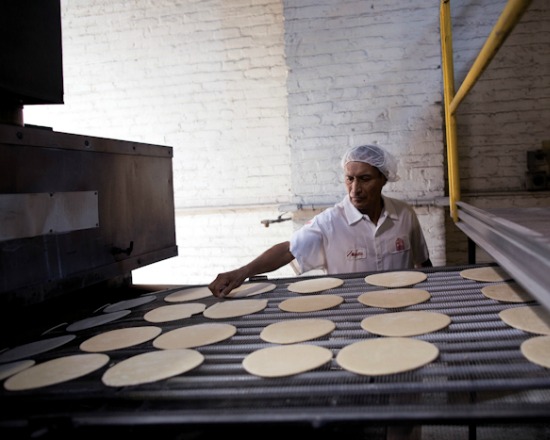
(356, 254)
(399, 244)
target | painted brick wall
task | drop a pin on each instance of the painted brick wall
(259, 98)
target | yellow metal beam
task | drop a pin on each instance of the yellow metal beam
(448, 95)
(509, 17)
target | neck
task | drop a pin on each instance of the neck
(374, 211)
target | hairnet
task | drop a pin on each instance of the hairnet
(375, 156)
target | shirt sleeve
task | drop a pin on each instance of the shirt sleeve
(418, 242)
(306, 244)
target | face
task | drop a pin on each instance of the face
(364, 185)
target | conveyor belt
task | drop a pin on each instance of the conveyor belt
(479, 376)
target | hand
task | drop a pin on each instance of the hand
(227, 281)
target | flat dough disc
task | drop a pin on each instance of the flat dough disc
(485, 274)
(129, 303)
(120, 338)
(381, 356)
(310, 303)
(537, 350)
(409, 323)
(152, 367)
(394, 298)
(396, 279)
(315, 285)
(97, 320)
(532, 319)
(173, 312)
(32, 348)
(189, 294)
(251, 289)
(7, 370)
(507, 292)
(195, 336)
(286, 360)
(56, 371)
(232, 309)
(296, 330)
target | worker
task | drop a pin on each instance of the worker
(365, 232)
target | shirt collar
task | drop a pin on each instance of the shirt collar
(353, 215)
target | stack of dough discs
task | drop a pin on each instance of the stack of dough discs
(120, 338)
(286, 360)
(251, 289)
(396, 279)
(152, 367)
(173, 312)
(194, 336)
(537, 350)
(382, 356)
(532, 319)
(129, 303)
(506, 292)
(7, 370)
(409, 323)
(296, 330)
(485, 274)
(97, 320)
(233, 309)
(56, 371)
(189, 294)
(394, 298)
(310, 303)
(32, 348)
(315, 285)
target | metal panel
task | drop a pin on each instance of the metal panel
(518, 239)
(135, 210)
(30, 215)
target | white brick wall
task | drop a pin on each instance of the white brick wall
(259, 98)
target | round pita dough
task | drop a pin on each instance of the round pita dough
(251, 289)
(97, 320)
(310, 303)
(232, 309)
(129, 303)
(286, 360)
(396, 279)
(173, 312)
(120, 338)
(537, 350)
(189, 294)
(382, 356)
(297, 330)
(194, 336)
(152, 367)
(485, 274)
(507, 292)
(315, 285)
(7, 370)
(56, 371)
(32, 348)
(394, 298)
(531, 319)
(409, 323)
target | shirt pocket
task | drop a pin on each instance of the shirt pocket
(398, 245)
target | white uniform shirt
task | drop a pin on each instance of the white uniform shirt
(342, 240)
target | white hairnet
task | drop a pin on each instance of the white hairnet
(375, 156)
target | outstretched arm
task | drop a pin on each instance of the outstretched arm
(272, 259)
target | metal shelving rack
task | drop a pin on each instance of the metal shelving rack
(518, 239)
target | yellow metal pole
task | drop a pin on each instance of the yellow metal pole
(448, 95)
(509, 17)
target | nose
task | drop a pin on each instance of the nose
(355, 188)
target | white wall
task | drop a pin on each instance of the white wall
(259, 98)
